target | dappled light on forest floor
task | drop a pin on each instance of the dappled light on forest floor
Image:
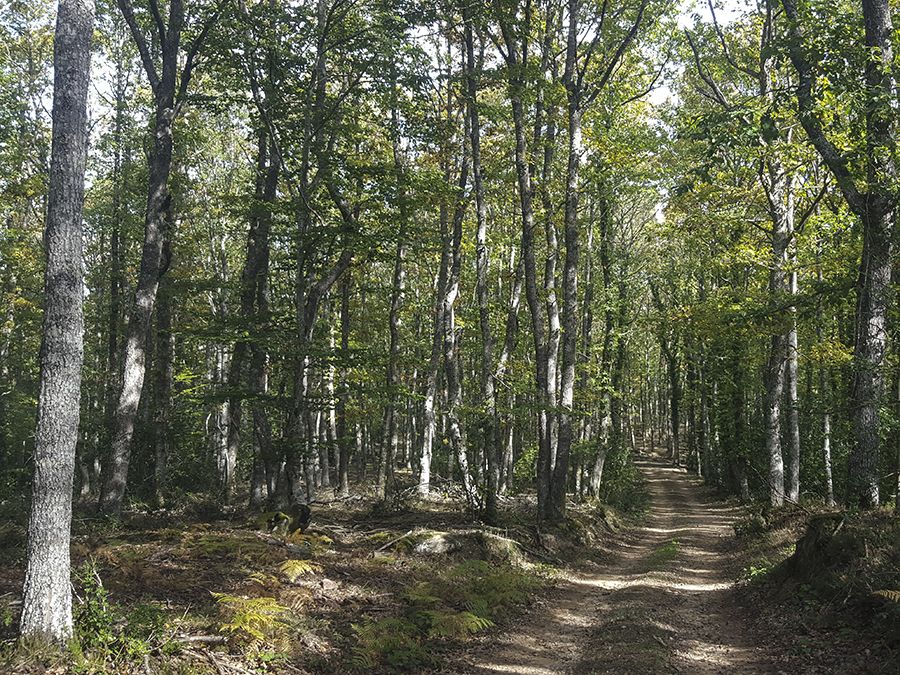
(664, 603)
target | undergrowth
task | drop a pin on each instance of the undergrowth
(466, 599)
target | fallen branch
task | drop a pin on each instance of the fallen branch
(392, 542)
(202, 639)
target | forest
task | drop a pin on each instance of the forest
(476, 336)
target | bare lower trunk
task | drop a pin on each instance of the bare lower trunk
(570, 318)
(868, 356)
(165, 354)
(490, 436)
(47, 596)
(429, 422)
(343, 437)
(451, 344)
(792, 401)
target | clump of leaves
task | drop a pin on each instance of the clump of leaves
(893, 596)
(144, 628)
(486, 590)
(6, 611)
(314, 543)
(757, 571)
(458, 603)
(140, 629)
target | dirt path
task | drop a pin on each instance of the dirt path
(665, 604)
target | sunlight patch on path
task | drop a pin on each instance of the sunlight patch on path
(618, 583)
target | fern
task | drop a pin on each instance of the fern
(264, 580)
(395, 643)
(294, 569)
(893, 596)
(253, 621)
(423, 594)
(455, 625)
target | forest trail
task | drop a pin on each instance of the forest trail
(665, 603)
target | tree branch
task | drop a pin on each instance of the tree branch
(141, 41)
(809, 119)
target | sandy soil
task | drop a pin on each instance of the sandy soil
(664, 603)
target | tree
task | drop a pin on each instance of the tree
(169, 85)
(871, 193)
(47, 603)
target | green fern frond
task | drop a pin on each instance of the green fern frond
(893, 596)
(422, 593)
(294, 569)
(263, 579)
(456, 625)
(253, 621)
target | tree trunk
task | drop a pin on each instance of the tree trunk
(162, 415)
(875, 206)
(793, 404)
(398, 289)
(452, 370)
(134, 361)
(343, 437)
(874, 289)
(47, 595)
(778, 346)
(490, 437)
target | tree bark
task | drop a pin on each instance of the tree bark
(398, 289)
(343, 437)
(162, 415)
(160, 164)
(490, 436)
(47, 595)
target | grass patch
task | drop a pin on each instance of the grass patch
(665, 554)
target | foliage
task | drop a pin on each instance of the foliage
(294, 569)
(255, 623)
(459, 602)
(92, 615)
(108, 633)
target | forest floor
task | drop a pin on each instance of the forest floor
(417, 586)
(671, 599)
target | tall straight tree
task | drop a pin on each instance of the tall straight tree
(169, 85)
(606, 46)
(47, 603)
(490, 437)
(869, 186)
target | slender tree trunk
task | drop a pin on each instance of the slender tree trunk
(343, 438)
(570, 329)
(429, 424)
(47, 595)
(452, 370)
(790, 381)
(490, 437)
(398, 289)
(134, 360)
(775, 366)
(164, 364)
